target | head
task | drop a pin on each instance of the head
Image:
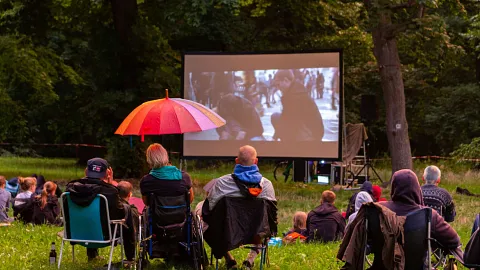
(247, 156)
(362, 197)
(284, 79)
(27, 183)
(40, 181)
(299, 220)
(125, 190)
(367, 186)
(405, 188)
(377, 192)
(48, 190)
(157, 156)
(3, 181)
(431, 175)
(328, 196)
(100, 169)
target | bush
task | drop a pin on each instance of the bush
(127, 161)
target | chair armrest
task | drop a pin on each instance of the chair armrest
(117, 221)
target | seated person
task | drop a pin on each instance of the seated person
(377, 194)
(125, 193)
(12, 186)
(41, 182)
(22, 205)
(246, 180)
(325, 223)
(46, 209)
(299, 229)
(407, 197)
(5, 198)
(165, 180)
(367, 187)
(98, 176)
(436, 197)
(362, 197)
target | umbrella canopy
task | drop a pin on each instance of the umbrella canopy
(169, 116)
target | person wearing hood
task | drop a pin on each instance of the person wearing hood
(377, 194)
(325, 223)
(163, 179)
(367, 187)
(245, 181)
(362, 197)
(407, 197)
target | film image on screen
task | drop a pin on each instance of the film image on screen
(269, 108)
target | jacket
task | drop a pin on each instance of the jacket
(392, 230)
(325, 224)
(49, 214)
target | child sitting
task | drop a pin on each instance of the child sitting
(299, 229)
(46, 209)
(22, 206)
(5, 198)
(125, 192)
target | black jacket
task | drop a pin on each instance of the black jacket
(49, 214)
(325, 224)
(238, 221)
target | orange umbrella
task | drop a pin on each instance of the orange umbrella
(169, 116)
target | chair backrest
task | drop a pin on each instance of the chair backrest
(417, 238)
(434, 203)
(375, 240)
(168, 211)
(86, 223)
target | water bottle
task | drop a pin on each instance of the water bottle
(53, 254)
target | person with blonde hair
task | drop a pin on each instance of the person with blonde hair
(163, 178)
(46, 209)
(325, 223)
(22, 204)
(299, 228)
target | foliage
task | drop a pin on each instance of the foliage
(470, 150)
(127, 160)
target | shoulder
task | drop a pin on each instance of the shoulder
(444, 191)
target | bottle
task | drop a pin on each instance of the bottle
(53, 254)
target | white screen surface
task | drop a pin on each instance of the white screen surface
(284, 105)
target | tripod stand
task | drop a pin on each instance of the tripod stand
(367, 166)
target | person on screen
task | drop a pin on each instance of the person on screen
(300, 119)
(202, 85)
(223, 84)
(320, 83)
(243, 121)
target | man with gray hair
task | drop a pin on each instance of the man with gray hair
(436, 197)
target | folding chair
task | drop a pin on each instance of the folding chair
(83, 226)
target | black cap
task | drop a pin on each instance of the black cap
(97, 168)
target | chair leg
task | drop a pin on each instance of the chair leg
(112, 248)
(216, 265)
(61, 253)
(73, 253)
(121, 243)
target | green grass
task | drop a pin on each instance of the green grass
(27, 247)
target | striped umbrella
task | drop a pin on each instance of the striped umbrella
(169, 116)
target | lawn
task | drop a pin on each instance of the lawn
(27, 247)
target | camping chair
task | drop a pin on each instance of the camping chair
(236, 221)
(416, 235)
(92, 236)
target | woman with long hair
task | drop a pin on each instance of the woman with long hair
(45, 206)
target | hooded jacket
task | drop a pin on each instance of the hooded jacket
(362, 197)
(407, 196)
(367, 187)
(325, 224)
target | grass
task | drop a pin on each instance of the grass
(27, 247)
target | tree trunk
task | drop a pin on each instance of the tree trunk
(386, 53)
(124, 14)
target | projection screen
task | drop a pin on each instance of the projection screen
(286, 105)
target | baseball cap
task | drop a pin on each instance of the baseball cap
(97, 168)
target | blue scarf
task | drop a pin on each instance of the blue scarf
(247, 174)
(167, 173)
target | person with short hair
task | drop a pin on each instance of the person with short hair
(436, 197)
(325, 223)
(97, 180)
(5, 198)
(245, 181)
(163, 178)
(46, 209)
(300, 119)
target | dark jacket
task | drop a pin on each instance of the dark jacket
(305, 124)
(83, 191)
(237, 221)
(367, 187)
(391, 228)
(439, 199)
(49, 214)
(407, 196)
(41, 182)
(325, 224)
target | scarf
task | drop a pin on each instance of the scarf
(167, 173)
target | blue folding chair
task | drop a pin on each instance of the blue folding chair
(83, 226)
